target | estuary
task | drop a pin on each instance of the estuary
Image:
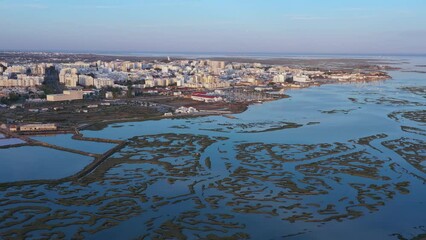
(341, 160)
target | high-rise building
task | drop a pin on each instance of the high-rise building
(216, 66)
(69, 77)
(86, 80)
(103, 82)
(21, 81)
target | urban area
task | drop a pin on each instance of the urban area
(65, 96)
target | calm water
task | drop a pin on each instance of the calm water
(32, 163)
(66, 140)
(345, 160)
(10, 141)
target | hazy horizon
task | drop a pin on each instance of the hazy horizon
(215, 54)
(200, 26)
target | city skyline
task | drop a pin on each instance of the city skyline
(335, 27)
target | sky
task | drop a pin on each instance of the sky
(235, 26)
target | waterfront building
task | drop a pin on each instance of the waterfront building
(186, 110)
(301, 78)
(13, 128)
(203, 97)
(281, 78)
(38, 127)
(67, 95)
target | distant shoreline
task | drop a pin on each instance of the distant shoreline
(154, 54)
(324, 62)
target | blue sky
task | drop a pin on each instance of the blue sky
(284, 26)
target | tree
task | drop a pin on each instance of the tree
(48, 89)
(129, 86)
(3, 100)
(116, 91)
(13, 97)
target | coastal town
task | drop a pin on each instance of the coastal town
(66, 95)
(212, 119)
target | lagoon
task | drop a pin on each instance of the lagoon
(341, 160)
(38, 163)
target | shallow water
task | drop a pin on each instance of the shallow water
(34, 163)
(10, 141)
(65, 140)
(344, 160)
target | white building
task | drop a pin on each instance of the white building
(103, 82)
(109, 95)
(281, 78)
(85, 80)
(205, 98)
(186, 110)
(69, 77)
(68, 95)
(22, 81)
(301, 78)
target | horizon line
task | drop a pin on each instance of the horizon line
(105, 52)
